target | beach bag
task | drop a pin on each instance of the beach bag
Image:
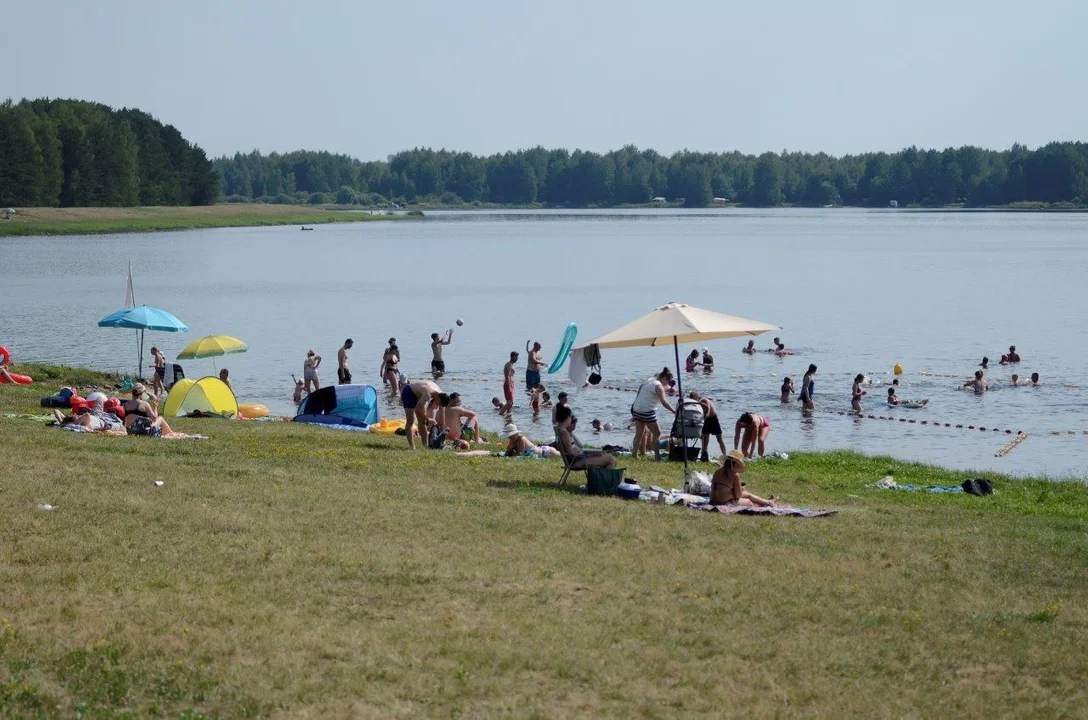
(436, 437)
(603, 481)
(978, 486)
(592, 355)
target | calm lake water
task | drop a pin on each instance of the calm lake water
(855, 291)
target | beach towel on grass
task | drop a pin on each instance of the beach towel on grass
(777, 511)
(925, 488)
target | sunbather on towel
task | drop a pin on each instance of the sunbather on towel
(141, 418)
(521, 445)
(726, 487)
(90, 417)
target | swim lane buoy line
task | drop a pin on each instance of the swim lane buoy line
(567, 343)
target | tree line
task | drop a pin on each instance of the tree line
(72, 153)
(1054, 173)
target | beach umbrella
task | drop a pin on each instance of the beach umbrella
(212, 346)
(678, 323)
(143, 318)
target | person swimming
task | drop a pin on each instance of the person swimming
(1035, 379)
(985, 364)
(892, 399)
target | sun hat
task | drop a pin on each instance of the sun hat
(735, 455)
(510, 430)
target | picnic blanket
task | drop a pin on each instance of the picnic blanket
(925, 488)
(777, 511)
(36, 418)
(120, 432)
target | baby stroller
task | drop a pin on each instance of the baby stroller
(687, 431)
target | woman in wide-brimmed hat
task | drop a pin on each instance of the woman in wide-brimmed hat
(521, 445)
(726, 487)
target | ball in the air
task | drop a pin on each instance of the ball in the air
(460, 322)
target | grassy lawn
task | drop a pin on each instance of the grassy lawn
(85, 221)
(300, 571)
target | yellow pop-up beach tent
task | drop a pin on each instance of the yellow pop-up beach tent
(208, 394)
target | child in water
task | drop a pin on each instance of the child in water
(892, 399)
(297, 397)
(857, 393)
(787, 388)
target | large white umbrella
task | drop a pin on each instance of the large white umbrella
(679, 323)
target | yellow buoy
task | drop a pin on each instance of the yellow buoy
(898, 369)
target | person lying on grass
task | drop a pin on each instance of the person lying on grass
(521, 445)
(90, 416)
(726, 487)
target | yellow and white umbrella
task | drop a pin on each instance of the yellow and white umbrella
(212, 346)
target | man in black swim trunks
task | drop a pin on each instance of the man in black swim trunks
(158, 384)
(711, 425)
(343, 371)
(438, 365)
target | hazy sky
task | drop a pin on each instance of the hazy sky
(369, 78)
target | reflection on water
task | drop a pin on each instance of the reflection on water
(855, 291)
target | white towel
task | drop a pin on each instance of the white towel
(576, 368)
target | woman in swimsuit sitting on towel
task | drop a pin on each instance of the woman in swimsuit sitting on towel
(727, 488)
(756, 428)
(141, 418)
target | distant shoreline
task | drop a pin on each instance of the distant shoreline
(1018, 208)
(29, 222)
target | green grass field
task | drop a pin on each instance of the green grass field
(89, 221)
(284, 570)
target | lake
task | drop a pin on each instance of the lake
(854, 290)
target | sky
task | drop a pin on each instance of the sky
(369, 79)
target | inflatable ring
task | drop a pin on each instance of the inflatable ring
(252, 411)
(5, 355)
(387, 427)
(564, 348)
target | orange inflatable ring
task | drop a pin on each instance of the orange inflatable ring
(5, 355)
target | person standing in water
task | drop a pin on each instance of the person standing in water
(343, 372)
(787, 388)
(692, 361)
(750, 348)
(808, 386)
(978, 384)
(708, 360)
(224, 375)
(509, 370)
(391, 365)
(310, 365)
(532, 368)
(438, 365)
(857, 393)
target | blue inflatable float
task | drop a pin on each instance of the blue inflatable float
(564, 348)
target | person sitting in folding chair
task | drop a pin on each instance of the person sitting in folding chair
(574, 456)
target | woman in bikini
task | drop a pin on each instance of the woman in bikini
(141, 418)
(309, 372)
(692, 361)
(727, 488)
(390, 366)
(857, 393)
(755, 428)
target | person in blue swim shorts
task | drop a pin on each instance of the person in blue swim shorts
(532, 370)
(419, 399)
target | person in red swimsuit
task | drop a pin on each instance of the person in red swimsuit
(755, 428)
